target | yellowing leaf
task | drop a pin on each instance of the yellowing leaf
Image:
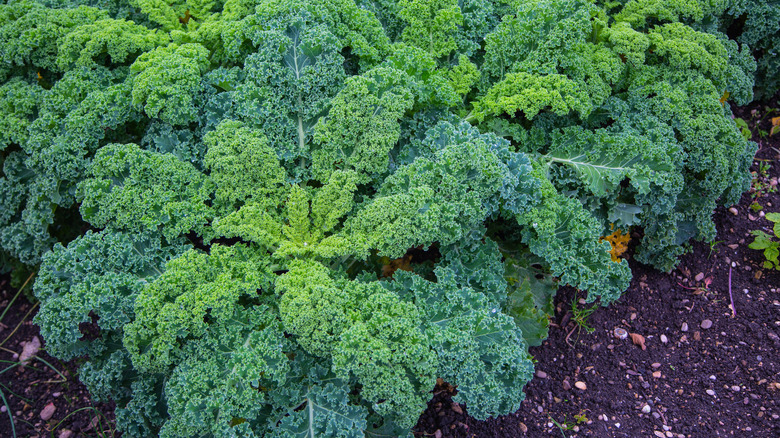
(724, 98)
(775, 126)
(619, 242)
(638, 340)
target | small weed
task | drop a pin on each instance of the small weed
(760, 187)
(568, 425)
(768, 244)
(580, 315)
(712, 247)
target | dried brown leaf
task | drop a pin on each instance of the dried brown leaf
(638, 340)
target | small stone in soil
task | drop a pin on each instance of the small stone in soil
(664, 339)
(706, 324)
(566, 385)
(711, 392)
(733, 211)
(699, 276)
(581, 386)
(684, 327)
(541, 374)
(646, 409)
(48, 411)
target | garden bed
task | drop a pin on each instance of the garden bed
(705, 370)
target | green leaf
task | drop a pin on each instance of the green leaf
(530, 295)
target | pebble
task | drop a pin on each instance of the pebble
(48, 411)
(65, 433)
(646, 409)
(656, 365)
(711, 392)
(539, 409)
(684, 327)
(566, 385)
(664, 339)
(620, 333)
(699, 276)
(523, 427)
(733, 211)
(29, 350)
(581, 385)
(657, 374)
(541, 374)
(3, 409)
(706, 324)
(659, 434)
(735, 388)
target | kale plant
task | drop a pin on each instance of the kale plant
(290, 218)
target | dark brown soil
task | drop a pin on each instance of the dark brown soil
(688, 381)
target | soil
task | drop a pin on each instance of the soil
(692, 365)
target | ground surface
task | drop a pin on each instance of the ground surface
(705, 371)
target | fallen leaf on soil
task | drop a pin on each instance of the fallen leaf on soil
(638, 340)
(456, 408)
(30, 349)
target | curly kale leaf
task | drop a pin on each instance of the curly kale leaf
(226, 375)
(314, 402)
(19, 102)
(196, 291)
(479, 348)
(459, 179)
(289, 84)
(431, 24)
(106, 42)
(367, 331)
(133, 189)
(244, 168)
(566, 236)
(30, 33)
(99, 273)
(363, 124)
(167, 79)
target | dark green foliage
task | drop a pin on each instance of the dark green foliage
(289, 218)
